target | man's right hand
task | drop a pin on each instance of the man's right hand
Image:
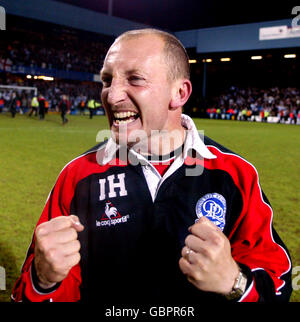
(56, 249)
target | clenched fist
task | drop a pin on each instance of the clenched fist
(56, 249)
(207, 260)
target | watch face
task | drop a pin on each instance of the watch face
(239, 287)
(242, 283)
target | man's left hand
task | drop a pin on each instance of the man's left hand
(207, 260)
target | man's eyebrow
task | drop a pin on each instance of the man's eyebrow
(135, 71)
(104, 73)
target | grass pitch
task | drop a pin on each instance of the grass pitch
(33, 153)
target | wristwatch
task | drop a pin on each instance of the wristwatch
(238, 288)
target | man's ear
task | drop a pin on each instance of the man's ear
(180, 94)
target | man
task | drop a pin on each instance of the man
(13, 104)
(153, 214)
(91, 106)
(42, 101)
(64, 106)
(81, 105)
(34, 106)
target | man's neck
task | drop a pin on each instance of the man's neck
(162, 143)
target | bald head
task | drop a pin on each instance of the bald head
(175, 55)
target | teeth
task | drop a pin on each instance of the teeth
(120, 115)
(124, 121)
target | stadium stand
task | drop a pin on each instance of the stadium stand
(281, 105)
(69, 58)
(52, 47)
(72, 59)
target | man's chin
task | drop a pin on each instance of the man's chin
(121, 140)
(136, 138)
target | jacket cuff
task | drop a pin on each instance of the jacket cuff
(35, 282)
(250, 294)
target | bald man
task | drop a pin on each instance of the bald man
(155, 213)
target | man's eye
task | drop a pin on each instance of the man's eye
(135, 80)
(106, 81)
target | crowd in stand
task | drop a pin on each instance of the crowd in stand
(69, 51)
(62, 51)
(280, 105)
(54, 48)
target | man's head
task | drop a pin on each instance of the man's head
(175, 55)
(145, 80)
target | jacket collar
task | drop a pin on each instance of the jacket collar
(193, 141)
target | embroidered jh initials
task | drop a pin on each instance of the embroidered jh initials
(113, 183)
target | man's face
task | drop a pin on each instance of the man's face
(136, 91)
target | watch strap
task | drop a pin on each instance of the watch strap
(239, 287)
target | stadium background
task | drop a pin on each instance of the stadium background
(58, 47)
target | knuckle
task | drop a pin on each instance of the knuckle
(57, 265)
(54, 268)
(183, 265)
(192, 228)
(199, 263)
(77, 245)
(61, 218)
(51, 255)
(60, 222)
(75, 233)
(74, 218)
(42, 244)
(196, 276)
(58, 268)
(211, 254)
(182, 261)
(40, 230)
(78, 257)
(203, 266)
(206, 251)
(203, 219)
(188, 239)
(75, 260)
(217, 240)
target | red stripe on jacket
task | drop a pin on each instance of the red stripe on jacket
(251, 237)
(60, 200)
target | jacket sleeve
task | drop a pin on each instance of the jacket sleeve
(26, 288)
(255, 244)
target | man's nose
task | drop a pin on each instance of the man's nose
(116, 92)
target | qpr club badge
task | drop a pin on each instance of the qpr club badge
(213, 207)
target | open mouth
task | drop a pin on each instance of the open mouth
(125, 117)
